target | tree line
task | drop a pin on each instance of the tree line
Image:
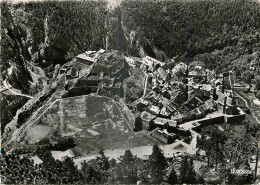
(193, 27)
(127, 169)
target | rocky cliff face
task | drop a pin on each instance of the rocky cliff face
(16, 52)
(19, 64)
(9, 106)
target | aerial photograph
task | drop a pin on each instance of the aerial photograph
(130, 92)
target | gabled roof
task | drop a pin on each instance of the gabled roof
(163, 121)
(153, 60)
(145, 102)
(160, 121)
(185, 114)
(201, 109)
(206, 87)
(197, 63)
(204, 107)
(164, 112)
(102, 51)
(198, 111)
(83, 56)
(155, 109)
(197, 73)
(209, 103)
(90, 52)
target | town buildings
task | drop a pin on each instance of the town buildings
(174, 96)
(184, 93)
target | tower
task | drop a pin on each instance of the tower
(223, 89)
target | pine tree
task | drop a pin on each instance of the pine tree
(171, 177)
(128, 158)
(102, 166)
(191, 175)
(119, 173)
(184, 170)
(187, 171)
(70, 165)
(103, 161)
(138, 124)
(47, 158)
(157, 164)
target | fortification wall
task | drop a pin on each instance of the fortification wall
(212, 121)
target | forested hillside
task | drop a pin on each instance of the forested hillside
(37, 36)
(48, 33)
(194, 27)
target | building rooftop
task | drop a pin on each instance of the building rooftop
(197, 73)
(90, 52)
(163, 121)
(155, 109)
(206, 87)
(164, 112)
(85, 57)
(197, 63)
(145, 102)
(164, 131)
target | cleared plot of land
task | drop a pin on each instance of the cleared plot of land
(94, 122)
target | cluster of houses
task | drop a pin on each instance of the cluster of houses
(180, 94)
(174, 94)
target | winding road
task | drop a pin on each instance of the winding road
(9, 87)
